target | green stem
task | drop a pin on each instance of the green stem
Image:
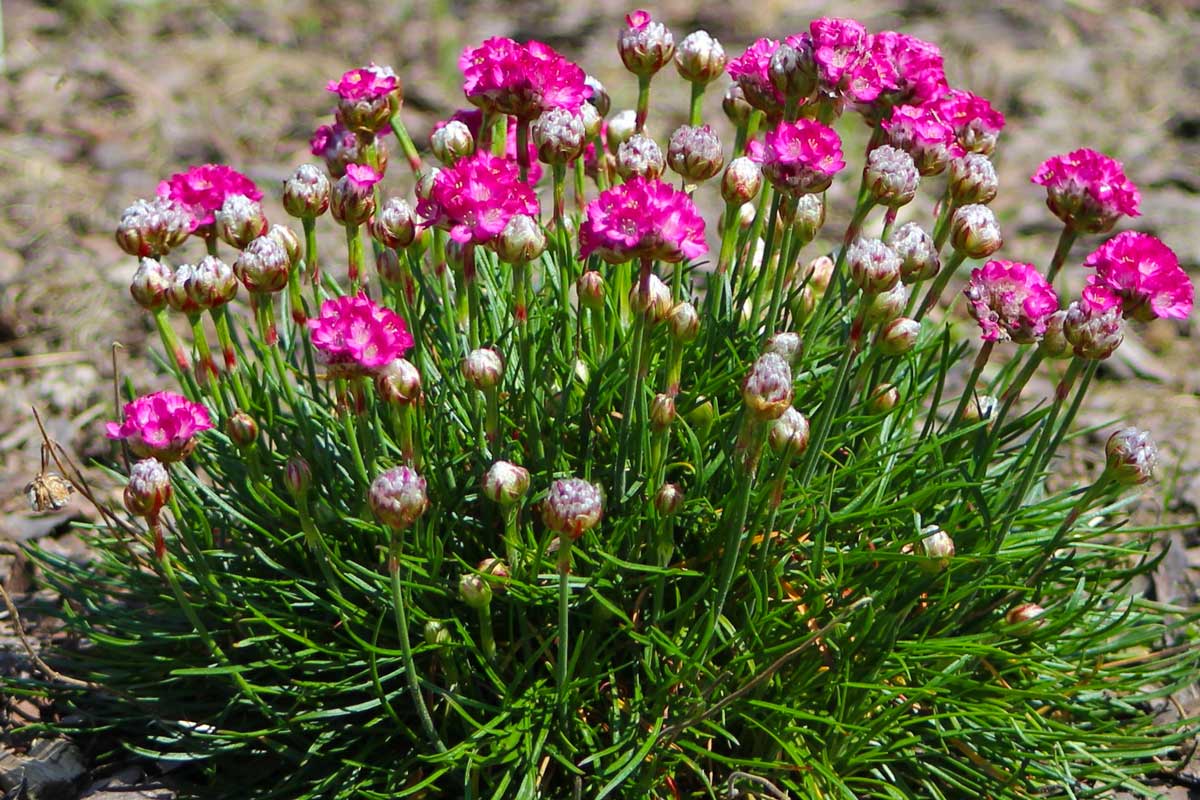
(406, 145)
(351, 434)
(643, 103)
(939, 284)
(487, 638)
(697, 103)
(354, 249)
(632, 389)
(832, 401)
(206, 367)
(985, 352)
(564, 598)
(410, 667)
(1061, 250)
(177, 356)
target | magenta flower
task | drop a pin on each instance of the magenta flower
(524, 80)
(1087, 190)
(801, 157)
(976, 124)
(202, 190)
(1011, 301)
(477, 197)
(362, 176)
(473, 119)
(642, 219)
(838, 46)
(1140, 273)
(752, 72)
(909, 72)
(356, 337)
(919, 131)
(366, 83)
(161, 425)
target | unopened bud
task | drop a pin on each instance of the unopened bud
(702, 416)
(593, 123)
(1027, 617)
(395, 225)
(640, 156)
(424, 188)
(572, 507)
(786, 344)
(178, 296)
(1131, 456)
(819, 273)
(767, 389)
(352, 200)
(558, 135)
(655, 302)
(621, 127)
(684, 322)
(645, 46)
(398, 497)
(505, 483)
(700, 58)
(982, 408)
(150, 284)
(974, 231)
(474, 591)
(211, 283)
(695, 153)
(809, 215)
(937, 546)
(1093, 333)
(240, 219)
(521, 241)
(918, 257)
(241, 429)
(483, 368)
(149, 488)
(437, 634)
(874, 267)
(494, 571)
(590, 288)
(789, 434)
(451, 142)
(599, 99)
(306, 193)
(263, 266)
(886, 306)
(297, 476)
(742, 181)
(668, 499)
(662, 412)
(884, 398)
(735, 105)
(973, 180)
(899, 336)
(891, 176)
(287, 239)
(399, 382)
(1054, 342)
(793, 69)
(153, 227)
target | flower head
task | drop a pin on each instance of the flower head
(1010, 301)
(767, 389)
(366, 83)
(572, 507)
(1142, 274)
(149, 488)
(922, 134)
(338, 146)
(473, 119)
(838, 46)
(976, 124)
(398, 497)
(1087, 190)
(153, 227)
(700, 58)
(645, 46)
(642, 218)
(523, 80)
(1130, 456)
(161, 425)
(907, 70)
(752, 71)
(476, 198)
(801, 157)
(1093, 331)
(354, 336)
(202, 190)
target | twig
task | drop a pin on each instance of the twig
(46, 669)
(771, 788)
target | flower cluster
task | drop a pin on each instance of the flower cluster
(801, 157)
(920, 132)
(976, 124)
(1142, 275)
(476, 198)
(161, 425)
(473, 119)
(1087, 190)
(505, 77)
(642, 219)
(354, 336)
(202, 190)
(1010, 301)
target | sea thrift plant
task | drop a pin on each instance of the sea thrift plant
(632, 484)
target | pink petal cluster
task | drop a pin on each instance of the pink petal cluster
(976, 124)
(801, 157)
(477, 197)
(1142, 275)
(202, 190)
(917, 69)
(473, 119)
(752, 72)
(524, 80)
(366, 83)
(1011, 301)
(838, 46)
(920, 132)
(362, 176)
(1087, 190)
(354, 336)
(161, 425)
(642, 219)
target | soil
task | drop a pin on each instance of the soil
(99, 99)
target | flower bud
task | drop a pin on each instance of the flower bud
(474, 591)
(297, 476)
(700, 58)
(1093, 333)
(655, 303)
(153, 227)
(505, 483)
(395, 225)
(702, 416)
(645, 46)
(398, 497)
(306, 193)
(1027, 617)
(367, 114)
(437, 634)
(599, 99)
(521, 241)
(874, 267)
(424, 188)
(150, 284)
(937, 546)
(662, 412)
(809, 215)
(883, 399)
(241, 429)
(767, 389)
(483, 368)
(592, 122)
(494, 571)
(982, 408)
(352, 200)
(792, 68)
(819, 273)
(263, 266)
(695, 153)
(974, 231)
(211, 283)
(684, 322)
(668, 499)
(741, 182)
(590, 288)
(572, 507)
(240, 219)
(918, 257)
(735, 105)
(288, 239)
(178, 297)
(148, 490)
(621, 127)
(746, 215)
(899, 336)
(803, 303)
(789, 434)
(786, 344)
(451, 142)
(891, 176)
(640, 156)
(558, 135)
(1131, 456)
(886, 306)
(399, 382)
(973, 180)
(1054, 342)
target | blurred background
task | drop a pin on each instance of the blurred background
(100, 100)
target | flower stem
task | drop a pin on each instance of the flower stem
(206, 367)
(406, 145)
(1061, 250)
(634, 387)
(643, 103)
(985, 352)
(487, 638)
(410, 667)
(696, 103)
(564, 598)
(311, 256)
(939, 285)
(354, 249)
(180, 364)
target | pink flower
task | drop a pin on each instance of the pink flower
(356, 337)
(1011, 301)
(1087, 190)
(473, 119)
(362, 176)
(524, 80)
(1141, 274)
(642, 219)
(976, 124)
(907, 70)
(838, 46)
(752, 72)
(477, 197)
(202, 190)
(161, 425)
(923, 135)
(368, 83)
(801, 157)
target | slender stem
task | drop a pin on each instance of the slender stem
(311, 256)
(487, 638)
(564, 599)
(206, 367)
(406, 145)
(220, 315)
(410, 667)
(793, 243)
(643, 103)
(267, 309)
(634, 387)
(764, 267)
(696, 104)
(474, 312)
(832, 401)
(351, 434)
(985, 352)
(941, 226)
(939, 284)
(178, 359)
(354, 249)
(1061, 250)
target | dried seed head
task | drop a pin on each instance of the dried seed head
(49, 491)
